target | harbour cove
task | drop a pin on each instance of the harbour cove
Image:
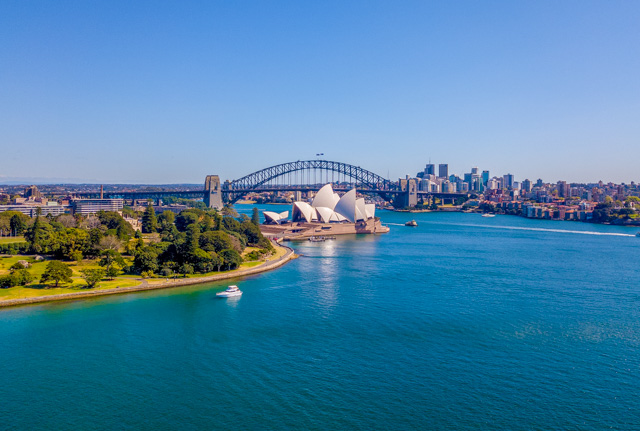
(462, 322)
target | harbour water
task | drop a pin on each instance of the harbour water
(462, 323)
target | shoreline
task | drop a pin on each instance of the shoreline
(145, 285)
(514, 215)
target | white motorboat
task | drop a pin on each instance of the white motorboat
(488, 215)
(229, 292)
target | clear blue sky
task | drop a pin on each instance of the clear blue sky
(167, 92)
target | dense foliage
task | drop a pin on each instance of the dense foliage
(194, 241)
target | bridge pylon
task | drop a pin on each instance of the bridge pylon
(213, 192)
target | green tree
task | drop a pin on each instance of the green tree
(146, 259)
(92, 276)
(17, 224)
(149, 221)
(229, 210)
(251, 232)
(215, 241)
(38, 236)
(166, 218)
(56, 271)
(186, 269)
(231, 259)
(255, 216)
(20, 275)
(231, 224)
(186, 218)
(202, 261)
(112, 261)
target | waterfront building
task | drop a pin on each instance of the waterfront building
(92, 206)
(329, 207)
(443, 170)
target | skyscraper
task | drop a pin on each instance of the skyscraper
(430, 169)
(485, 177)
(508, 181)
(443, 170)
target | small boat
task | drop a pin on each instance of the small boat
(488, 215)
(229, 292)
(411, 223)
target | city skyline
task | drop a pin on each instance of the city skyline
(171, 94)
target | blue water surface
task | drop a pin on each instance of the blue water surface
(462, 323)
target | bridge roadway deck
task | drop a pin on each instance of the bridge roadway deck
(197, 194)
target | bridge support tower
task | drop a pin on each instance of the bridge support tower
(409, 190)
(213, 192)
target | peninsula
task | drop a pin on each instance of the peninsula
(73, 256)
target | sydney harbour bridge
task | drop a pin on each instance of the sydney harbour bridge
(301, 175)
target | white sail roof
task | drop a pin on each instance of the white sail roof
(324, 198)
(361, 212)
(346, 206)
(273, 217)
(328, 206)
(324, 214)
(302, 210)
(371, 210)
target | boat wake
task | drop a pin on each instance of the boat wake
(540, 229)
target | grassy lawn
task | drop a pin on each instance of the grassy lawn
(79, 285)
(11, 239)
(37, 289)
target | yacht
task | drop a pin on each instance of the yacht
(488, 215)
(229, 292)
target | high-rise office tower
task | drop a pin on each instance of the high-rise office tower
(443, 170)
(485, 177)
(430, 169)
(508, 181)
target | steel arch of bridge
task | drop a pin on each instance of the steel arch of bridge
(366, 180)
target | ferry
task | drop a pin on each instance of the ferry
(229, 292)
(411, 223)
(320, 238)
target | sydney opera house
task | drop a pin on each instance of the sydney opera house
(328, 214)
